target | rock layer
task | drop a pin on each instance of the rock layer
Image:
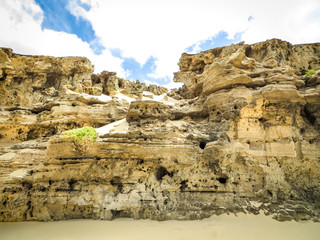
(242, 136)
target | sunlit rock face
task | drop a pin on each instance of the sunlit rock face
(241, 136)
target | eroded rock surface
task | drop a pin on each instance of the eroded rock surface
(241, 136)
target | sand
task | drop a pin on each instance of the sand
(223, 227)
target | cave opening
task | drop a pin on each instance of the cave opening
(161, 172)
(202, 144)
(71, 183)
(308, 116)
(222, 180)
(248, 51)
(183, 185)
(116, 181)
(116, 213)
(26, 184)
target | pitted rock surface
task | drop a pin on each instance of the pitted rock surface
(242, 135)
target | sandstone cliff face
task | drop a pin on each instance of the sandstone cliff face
(242, 136)
(42, 96)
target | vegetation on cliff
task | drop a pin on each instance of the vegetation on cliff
(310, 72)
(80, 134)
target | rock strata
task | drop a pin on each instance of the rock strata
(242, 135)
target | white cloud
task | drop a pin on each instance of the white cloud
(21, 31)
(172, 85)
(294, 21)
(162, 29)
(76, 9)
(196, 48)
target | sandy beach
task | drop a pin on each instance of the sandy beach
(223, 227)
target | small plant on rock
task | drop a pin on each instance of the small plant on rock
(80, 134)
(310, 72)
(82, 137)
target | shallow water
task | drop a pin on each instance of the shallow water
(222, 227)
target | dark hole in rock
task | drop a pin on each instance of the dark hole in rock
(270, 193)
(222, 180)
(71, 183)
(183, 185)
(4, 76)
(116, 213)
(262, 120)
(140, 161)
(17, 80)
(308, 116)
(27, 185)
(95, 79)
(200, 67)
(53, 80)
(32, 134)
(302, 130)
(161, 172)
(1, 136)
(50, 182)
(202, 144)
(116, 181)
(248, 51)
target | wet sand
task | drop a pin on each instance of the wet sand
(224, 227)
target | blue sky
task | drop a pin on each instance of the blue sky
(58, 17)
(219, 40)
(144, 39)
(142, 72)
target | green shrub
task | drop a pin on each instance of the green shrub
(80, 134)
(310, 72)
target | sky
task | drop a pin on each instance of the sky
(144, 39)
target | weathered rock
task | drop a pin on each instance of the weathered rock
(111, 85)
(245, 138)
(26, 79)
(42, 96)
(148, 110)
(256, 65)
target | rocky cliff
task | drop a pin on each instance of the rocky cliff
(242, 135)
